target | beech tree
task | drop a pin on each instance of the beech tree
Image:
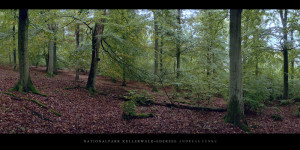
(283, 16)
(96, 38)
(24, 84)
(235, 107)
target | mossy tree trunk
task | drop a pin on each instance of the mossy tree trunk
(235, 106)
(96, 38)
(24, 84)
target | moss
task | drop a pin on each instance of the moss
(91, 91)
(154, 89)
(235, 116)
(55, 112)
(11, 94)
(277, 117)
(49, 75)
(37, 102)
(29, 88)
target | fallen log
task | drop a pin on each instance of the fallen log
(191, 107)
(182, 106)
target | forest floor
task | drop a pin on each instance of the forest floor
(102, 113)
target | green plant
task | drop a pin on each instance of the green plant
(277, 117)
(140, 99)
(129, 108)
(285, 102)
(253, 105)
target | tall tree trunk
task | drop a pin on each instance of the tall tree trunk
(155, 49)
(24, 84)
(292, 60)
(235, 107)
(14, 41)
(124, 73)
(54, 55)
(161, 54)
(155, 45)
(178, 45)
(77, 46)
(14, 47)
(50, 59)
(96, 38)
(283, 16)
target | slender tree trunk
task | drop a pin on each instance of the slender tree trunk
(54, 55)
(77, 46)
(14, 48)
(292, 61)
(155, 50)
(124, 73)
(178, 45)
(96, 38)
(24, 84)
(161, 55)
(283, 17)
(235, 107)
(50, 59)
(9, 57)
(155, 45)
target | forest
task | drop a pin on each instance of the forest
(153, 71)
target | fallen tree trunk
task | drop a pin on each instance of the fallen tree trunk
(191, 107)
(182, 106)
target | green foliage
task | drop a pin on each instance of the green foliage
(285, 102)
(129, 111)
(277, 117)
(129, 108)
(140, 99)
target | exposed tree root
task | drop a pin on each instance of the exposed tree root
(15, 97)
(38, 114)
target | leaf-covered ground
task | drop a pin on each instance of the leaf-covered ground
(102, 113)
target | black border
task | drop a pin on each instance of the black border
(149, 139)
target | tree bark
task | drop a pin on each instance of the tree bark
(77, 46)
(178, 45)
(54, 54)
(24, 84)
(50, 59)
(155, 45)
(235, 107)
(96, 38)
(14, 48)
(155, 49)
(283, 17)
